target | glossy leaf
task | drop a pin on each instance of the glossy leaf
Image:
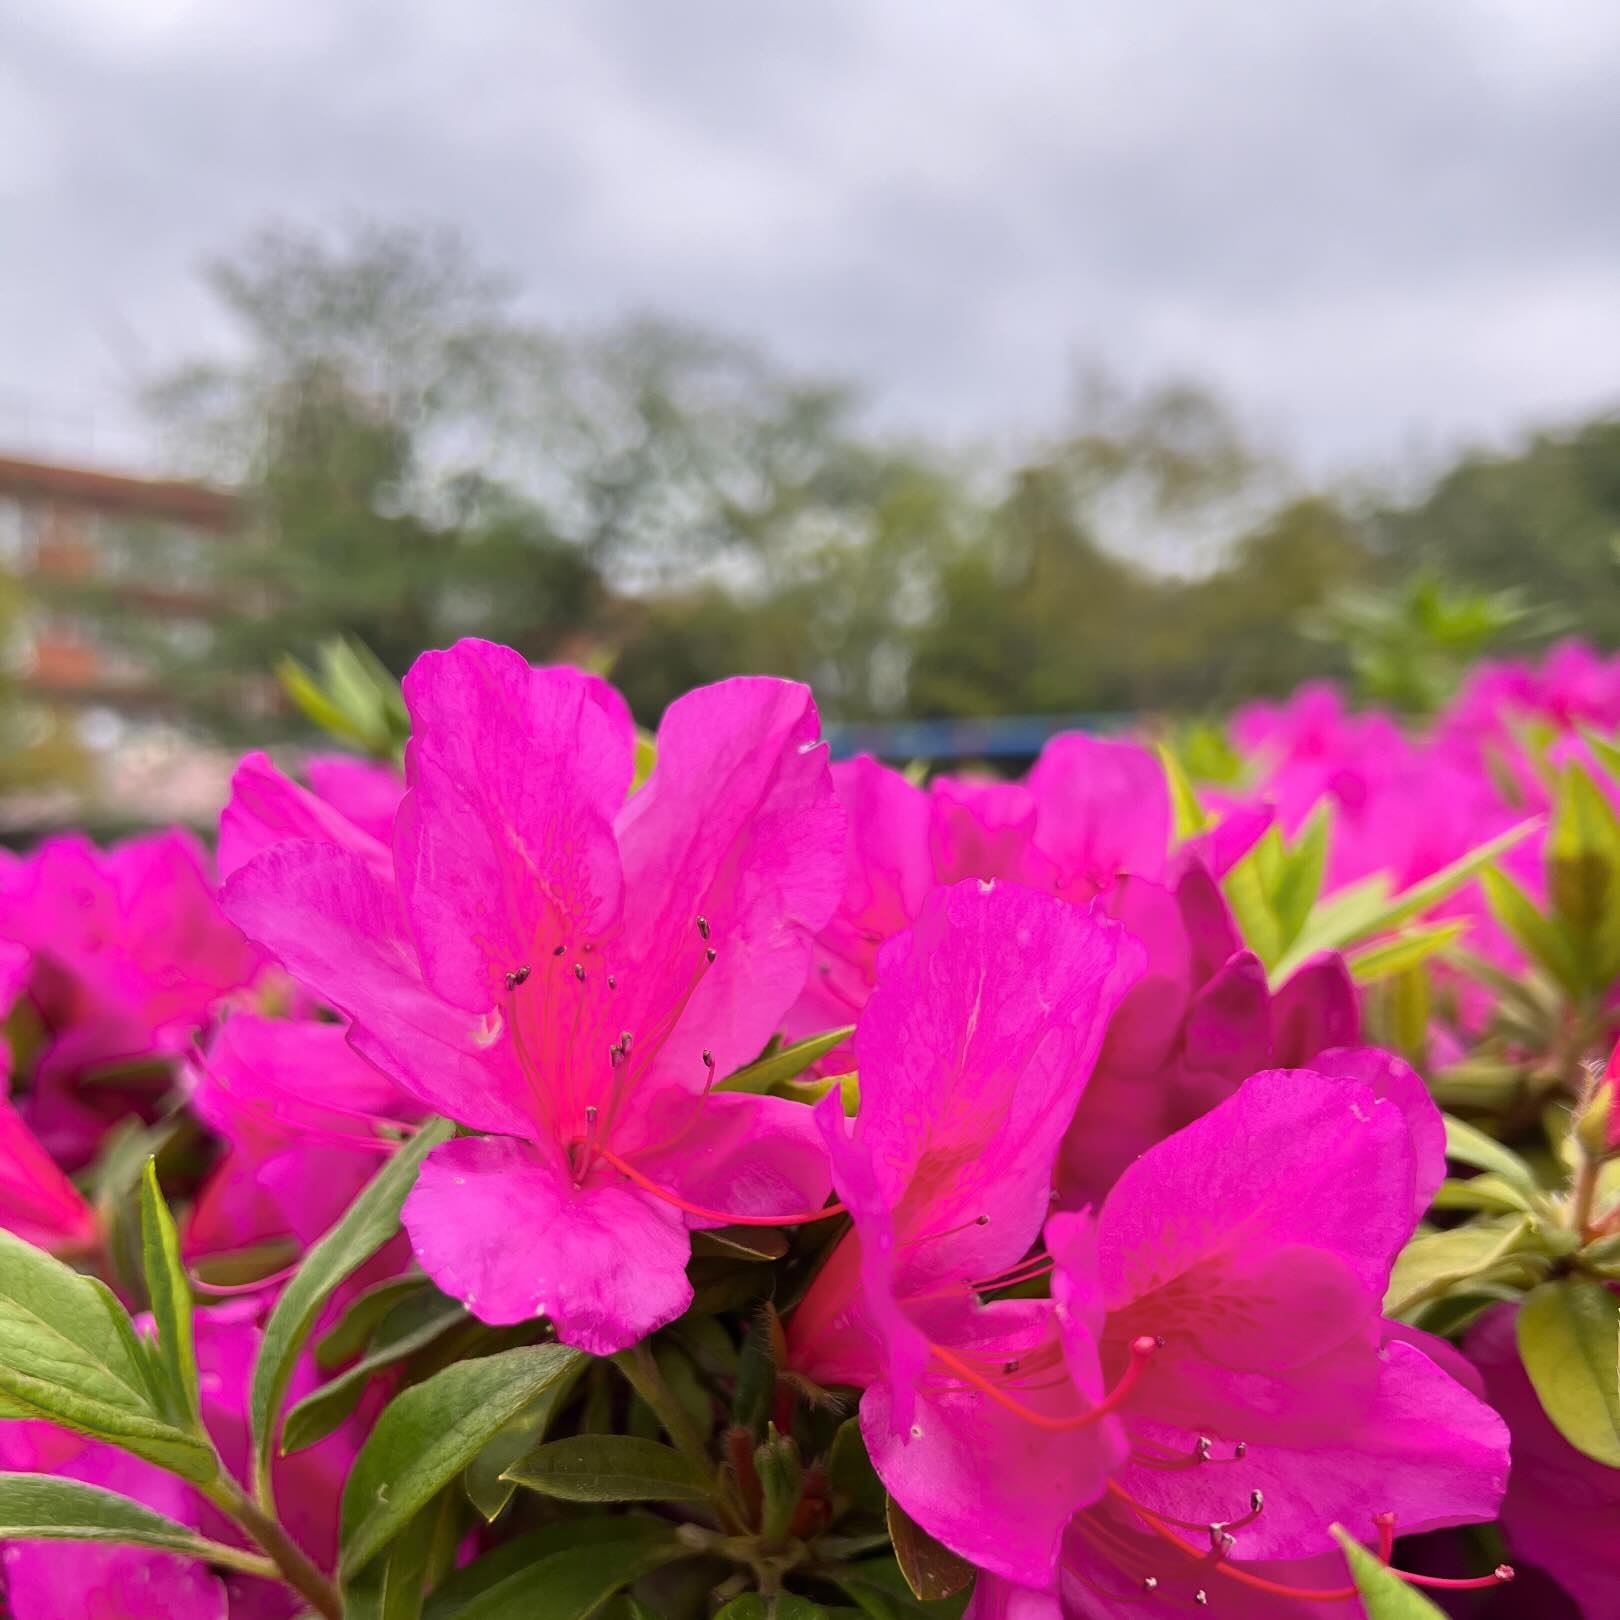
(1408, 949)
(485, 1483)
(395, 1585)
(564, 1572)
(351, 1333)
(611, 1468)
(68, 1352)
(932, 1570)
(169, 1292)
(1467, 1144)
(785, 1063)
(1569, 1341)
(1384, 1596)
(427, 1435)
(367, 1224)
(41, 1507)
(785, 1606)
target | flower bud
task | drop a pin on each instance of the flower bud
(1597, 1119)
(781, 1481)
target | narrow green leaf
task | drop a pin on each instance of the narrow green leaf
(1435, 1262)
(1408, 949)
(1569, 1341)
(394, 1586)
(1537, 935)
(783, 1064)
(170, 1294)
(850, 1471)
(427, 1435)
(1384, 1595)
(564, 1572)
(484, 1481)
(1351, 915)
(1605, 752)
(367, 1224)
(784, 1606)
(1488, 1191)
(1250, 899)
(41, 1507)
(421, 1318)
(932, 1570)
(68, 1352)
(611, 1468)
(1188, 814)
(351, 1333)
(1467, 1144)
(1583, 873)
(1300, 880)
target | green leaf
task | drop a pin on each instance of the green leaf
(1481, 1192)
(170, 1294)
(1540, 937)
(416, 1322)
(367, 1224)
(1569, 1341)
(1188, 815)
(611, 1468)
(564, 1572)
(394, 1586)
(1435, 1262)
(784, 1606)
(1408, 949)
(849, 1469)
(427, 1435)
(1300, 880)
(68, 1352)
(932, 1570)
(1250, 898)
(783, 1064)
(352, 1331)
(484, 1481)
(1354, 914)
(1469, 1145)
(41, 1507)
(1583, 873)
(1605, 752)
(1384, 1595)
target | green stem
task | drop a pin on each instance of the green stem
(641, 1373)
(292, 1563)
(216, 1552)
(1586, 1187)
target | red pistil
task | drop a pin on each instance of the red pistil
(1142, 1350)
(799, 1217)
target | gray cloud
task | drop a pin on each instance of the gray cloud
(1368, 223)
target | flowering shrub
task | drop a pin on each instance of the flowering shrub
(530, 1183)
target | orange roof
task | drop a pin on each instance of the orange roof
(197, 504)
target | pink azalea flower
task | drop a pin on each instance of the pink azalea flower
(306, 1120)
(1562, 1507)
(129, 954)
(1255, 1246)
(566, 971)
(973, 1050)
(52, 1580)
(1201, 1021)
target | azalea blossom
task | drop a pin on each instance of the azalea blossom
(974, 1048)
(1255, 1247)
(566, 971)
(129, 953)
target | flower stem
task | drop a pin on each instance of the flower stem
(292, 1563)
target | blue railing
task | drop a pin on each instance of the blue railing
(991, 737)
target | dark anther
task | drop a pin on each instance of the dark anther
(1256, 1501)
(1009, 1366)
(711, 953)
(613, 984)
(590, 1113)
(703, 927)
(579, 971)
(981, 1220)
(516, 977)
(1158, 1341)
(1241, 1450)
(624, 1042)
(557, 950)
(708, 1058)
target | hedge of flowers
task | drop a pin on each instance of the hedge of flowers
(566, 1173)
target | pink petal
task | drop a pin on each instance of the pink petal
(364, 792)
(504, 845)
(739, 825)
(1104, 808)
(498, 1225)
(1397, 1082)
(37, 1201)
(339, 931)
(1317, 1008)
(266, 808)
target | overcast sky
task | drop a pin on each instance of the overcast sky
(1374, 225)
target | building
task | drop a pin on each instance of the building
(82, 545)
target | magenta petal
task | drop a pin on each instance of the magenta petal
(994, 1487)
(1229, 1024)
(497, 1224)
(1399, 1083)
(1287, 1160)
(1317, 1008)
(739, 825)
(365, 793)
(745, 1155)
(1103, 807)
(266, 808)
(504, 843)
(37, 1201)
(996, 1599)
(55, 1580)
(339, 931)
